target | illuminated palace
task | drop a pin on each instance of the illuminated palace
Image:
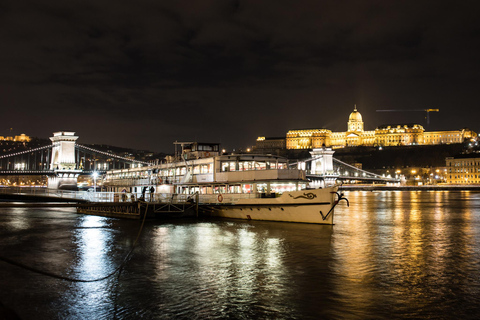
(387, 135)
(20, 138)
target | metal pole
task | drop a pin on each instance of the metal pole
(197, 197)
(48, 158)
(77, 165)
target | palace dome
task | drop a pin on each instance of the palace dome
(355, 116)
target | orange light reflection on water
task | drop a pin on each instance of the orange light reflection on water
(405, 241)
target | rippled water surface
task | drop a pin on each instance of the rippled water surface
(392, 254)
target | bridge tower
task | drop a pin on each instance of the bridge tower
(322, 165)
(63, 161)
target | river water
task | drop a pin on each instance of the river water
(391, 254)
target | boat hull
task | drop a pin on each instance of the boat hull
(306, 206)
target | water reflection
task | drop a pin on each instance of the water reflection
(93, 247)
(92, 260)
(18, 220)
(411, 259)
(391, 254)
(220, 269)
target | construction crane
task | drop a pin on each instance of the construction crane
(415, 110)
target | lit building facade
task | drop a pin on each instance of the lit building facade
(270, 143)
(463, 169)
(20, 138)
(387, 135)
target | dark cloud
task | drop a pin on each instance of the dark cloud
(146, 73)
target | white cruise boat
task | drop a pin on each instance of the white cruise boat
(242, 186)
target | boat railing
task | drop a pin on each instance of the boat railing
(154, 180)
(226, 197)
(169, 197)
(127, 182)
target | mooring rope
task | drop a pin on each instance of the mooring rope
(56, 276)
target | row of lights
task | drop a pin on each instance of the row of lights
(112, 155)
(24, 152)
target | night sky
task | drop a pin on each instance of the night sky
(142, 74)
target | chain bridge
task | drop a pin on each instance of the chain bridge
(322, 169)
(63, 161)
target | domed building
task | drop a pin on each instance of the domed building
(386, 135)
(355, 121)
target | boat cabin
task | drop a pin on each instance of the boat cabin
(200, 167)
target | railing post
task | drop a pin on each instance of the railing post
(197, 198)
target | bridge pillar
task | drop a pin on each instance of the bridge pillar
(63, 161)
(323, 163)
(323, 166)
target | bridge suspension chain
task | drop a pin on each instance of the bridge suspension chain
(340, 163)
(109, 154)
(293, 164)
(358, 170)
(27, 151)
(365, 174)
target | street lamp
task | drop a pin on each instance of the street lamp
(95, 175)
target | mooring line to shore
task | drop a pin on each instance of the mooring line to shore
(120, 269)
(56, 276)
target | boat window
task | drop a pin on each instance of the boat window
(232, 166)
(194, 190)
(220, 189)
(260, 166)
(247, 165)
(196, 170)
(234, 189)
(247, 188)
(202, 147)
(225, 166)
(262, 187)
(282, 187)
